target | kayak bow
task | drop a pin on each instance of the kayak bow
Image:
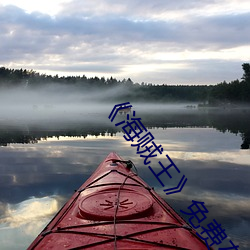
(116, 209)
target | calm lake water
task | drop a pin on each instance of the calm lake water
(46, 156)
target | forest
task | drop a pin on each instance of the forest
(224, 93)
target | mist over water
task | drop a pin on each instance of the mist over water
(55, 103)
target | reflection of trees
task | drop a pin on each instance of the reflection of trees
(234, 121)
(246, 141)
(222, 120)
(20, 135)
(16, 137)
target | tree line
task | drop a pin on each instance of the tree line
(236, 91)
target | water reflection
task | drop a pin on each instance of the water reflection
(36, 179)
(234, 121)
(22, 220)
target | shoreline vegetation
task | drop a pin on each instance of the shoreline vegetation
(222, 95)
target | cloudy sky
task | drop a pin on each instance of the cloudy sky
(157, 41)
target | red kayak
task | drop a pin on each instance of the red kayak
(116, 209)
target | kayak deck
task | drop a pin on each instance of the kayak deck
(116, 209)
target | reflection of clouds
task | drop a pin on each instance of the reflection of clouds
(228, 203)
(67, 156)
(234, 156)
(204, 144)
(196, 139)
(29, 212)
(53, 167)
(25, 221)
(216, 176)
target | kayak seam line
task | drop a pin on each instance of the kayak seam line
(120, 222)
(99, 178)
(109, 184)
(129, 237)
(62, 230)
(114, 170)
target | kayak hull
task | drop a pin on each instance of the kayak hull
(116, 209)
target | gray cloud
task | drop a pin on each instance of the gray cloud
(132, 8)
(202, 28)
(107, 40)
(223, 30)
(83, 68)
